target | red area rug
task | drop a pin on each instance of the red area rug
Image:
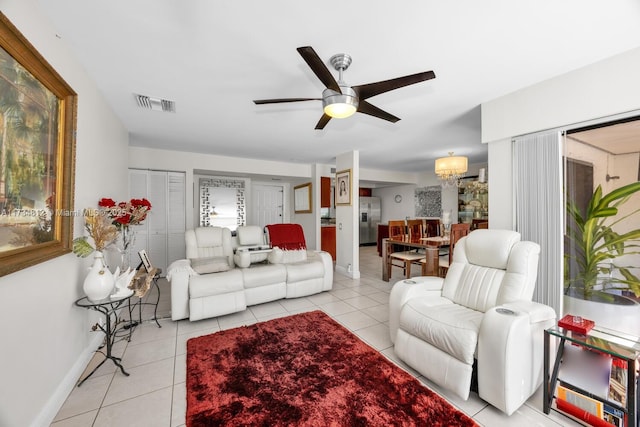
(304, 370)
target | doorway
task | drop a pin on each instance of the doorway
(267, 204)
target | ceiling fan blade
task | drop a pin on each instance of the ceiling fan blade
(323, 122)
(367, 108)
(372, 89)
(317, 66)
(279, 100)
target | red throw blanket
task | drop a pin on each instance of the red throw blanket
(286, 236)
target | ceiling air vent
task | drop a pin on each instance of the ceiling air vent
(155, 104)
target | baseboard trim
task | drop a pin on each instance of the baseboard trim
(351, 274)
(50, 410)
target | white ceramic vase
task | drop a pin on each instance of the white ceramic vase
(99, 282)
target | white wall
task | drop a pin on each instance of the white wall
(379, 175)
(45, 338)
(347, 224)
(389, 208)
(591, 94)
(595, 91)
(501, 198)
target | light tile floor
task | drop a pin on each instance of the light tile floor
(154, 394)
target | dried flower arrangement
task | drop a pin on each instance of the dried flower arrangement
(99, 226)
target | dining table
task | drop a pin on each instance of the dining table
(437, 240)
(390, 244)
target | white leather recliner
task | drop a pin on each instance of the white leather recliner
(482, 310)
(208, 295)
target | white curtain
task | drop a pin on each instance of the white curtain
(539, 208)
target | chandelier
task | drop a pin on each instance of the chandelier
(450, 169)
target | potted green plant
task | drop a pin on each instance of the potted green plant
(598, 246)
(596, 265)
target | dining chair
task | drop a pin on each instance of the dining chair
(398, 230)
(414, 230)
(479, 223)
(457, 232)
(431, 227)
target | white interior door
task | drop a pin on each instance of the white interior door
(267, 204)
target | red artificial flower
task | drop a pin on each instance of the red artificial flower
(123, 219)
(106, 203)
(137, 203)
(124, 214)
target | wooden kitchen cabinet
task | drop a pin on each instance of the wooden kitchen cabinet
(325, 192)
(328, 240)
(364, 192)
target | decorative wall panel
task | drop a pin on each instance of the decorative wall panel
(428, 201)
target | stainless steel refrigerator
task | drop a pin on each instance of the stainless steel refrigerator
(369, 220)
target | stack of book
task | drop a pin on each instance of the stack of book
(586, 376)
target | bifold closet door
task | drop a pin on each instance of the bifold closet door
(162, 233)
(176, 224)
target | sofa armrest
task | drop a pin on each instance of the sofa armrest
(327, 261)
(404, 290)
(178, 275)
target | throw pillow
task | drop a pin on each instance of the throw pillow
(210, 265)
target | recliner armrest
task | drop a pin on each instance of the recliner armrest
(510, 338)
(537, 312)
(404, 290)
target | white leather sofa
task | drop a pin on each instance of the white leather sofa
(482, 310)
(199, 296)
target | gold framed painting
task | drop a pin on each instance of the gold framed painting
(343, 188)
(37, 155)
(302, 198)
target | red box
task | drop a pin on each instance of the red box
(583, 327)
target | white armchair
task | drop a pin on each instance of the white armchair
(481, 311)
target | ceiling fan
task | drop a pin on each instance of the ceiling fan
(340, 100)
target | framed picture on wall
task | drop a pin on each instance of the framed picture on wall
(302, 198)
(37, 159)
(343, 188)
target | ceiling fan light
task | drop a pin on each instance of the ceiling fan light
(339, 105)
(339, 110)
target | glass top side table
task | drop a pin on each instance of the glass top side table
(106, 306)
(603, 340)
